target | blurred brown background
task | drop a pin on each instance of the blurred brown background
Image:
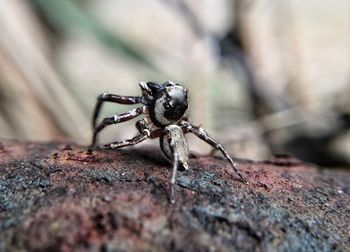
(264, 76)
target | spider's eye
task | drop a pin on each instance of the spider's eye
(168, 105)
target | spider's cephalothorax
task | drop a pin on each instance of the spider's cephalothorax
(163, 106)
(169, 103)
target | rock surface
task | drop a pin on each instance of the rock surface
(59, 197)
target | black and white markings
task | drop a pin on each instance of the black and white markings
(169, 104)
(164, 106)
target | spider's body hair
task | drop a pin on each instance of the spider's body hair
(148, 120)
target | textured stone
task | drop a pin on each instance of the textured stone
(60, 197)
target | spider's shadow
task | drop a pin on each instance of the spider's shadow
(154, 154)
(149, 153)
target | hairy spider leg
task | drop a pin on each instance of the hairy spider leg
(173, 177)
(106, 97)
(174, 145)
(114, 120)
(203, 135)
(144, 134)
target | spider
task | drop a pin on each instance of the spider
(163, 107)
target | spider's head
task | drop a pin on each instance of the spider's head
(168, 103)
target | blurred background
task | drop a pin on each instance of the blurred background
(264, 76)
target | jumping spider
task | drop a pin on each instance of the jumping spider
(164, 106)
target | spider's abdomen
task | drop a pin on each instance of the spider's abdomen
(175, 142)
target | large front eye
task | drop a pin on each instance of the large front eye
(167, 105)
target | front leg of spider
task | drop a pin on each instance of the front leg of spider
(203, 135)
(175, 148)
(173, 178)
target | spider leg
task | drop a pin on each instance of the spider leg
(173, 177)
(114, 120)
(175, 148)
(203, 135)
(106, 97)
(144, 134)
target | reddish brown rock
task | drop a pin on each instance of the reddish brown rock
(60, 197)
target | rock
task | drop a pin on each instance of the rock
(60, 197)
